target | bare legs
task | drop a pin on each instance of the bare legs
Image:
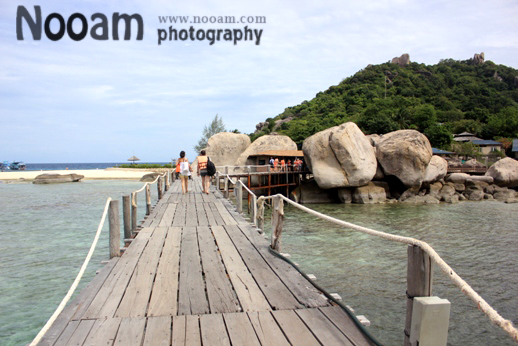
(205, 184)
(185, 183)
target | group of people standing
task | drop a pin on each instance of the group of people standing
(283, 166)
(184, 170)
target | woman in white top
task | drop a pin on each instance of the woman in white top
(185, 169)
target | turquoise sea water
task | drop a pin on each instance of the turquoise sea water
(46, 231)
(45, 234)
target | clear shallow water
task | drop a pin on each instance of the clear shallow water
(70, 166)
(478, 239)
(45, 234)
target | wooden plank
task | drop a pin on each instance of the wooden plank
(240, 329)
(191, 219)
(131, 332)
(279, 297)
(158, 331)
(219, 289)
(301, 288)
(227, 217)
(248, 293)
(326, 332)
(192, 299)
(345, 323)
(216, 214)
(200, 213)
(103, 332)
(213, 330)
(294, 329)
(107, 300)
(136, 297)
(77, 307)
(179, 215)
(167, 219)
(81, 332)
(268, 331)
(160, 211)
(67, 333)
(165, 289)
(186, 331)
(211, 220)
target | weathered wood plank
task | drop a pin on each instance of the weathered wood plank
(216, 214)
(191, 219)
(301, 288)
(248, 293)
(192, 298)
(186, 331)
(165, 289)
(160, 211)
(202, 216)
(227, 217)
(213, 330)
(136, 297)
(131, 332)
(268, 331)
(67, 333)
(326, 332)
(107, 300)
(219, 289)
(167, 219)
(158, 331)
(279, 297)
(294, 329)
(81, 332)
(240, 329)
(103, 332)
(211, 220)
(179, 215)
(345, 323)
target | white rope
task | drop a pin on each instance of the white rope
(61, 306)
(492, 314)
(134, 193)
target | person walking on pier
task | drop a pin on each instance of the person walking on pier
(185, 170)
(202, 170)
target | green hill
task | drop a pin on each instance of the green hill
(438, 100)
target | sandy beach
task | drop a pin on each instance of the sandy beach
(109, 173)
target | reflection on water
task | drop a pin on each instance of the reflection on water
(478, 239)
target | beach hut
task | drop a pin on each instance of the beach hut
(133, 159)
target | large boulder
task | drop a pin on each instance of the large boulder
(457, 178)
(421, 200)
(150, 177)
(340, 157)
(369, 194)
(309, 192)
(504, 172)
(265, 143)
(49, 178)
(406, 155)
(225, 148)
(436, 170)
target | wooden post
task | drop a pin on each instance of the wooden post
(115, 229)
(133, 211)
(173, 175)
(419, 282)
(277, 223)
(217, 181)
(159, 187)
(167, 183)
(239, 195)
(254, 209)
(225, 194)
(260, 214)
(148, 200)
(126, 214)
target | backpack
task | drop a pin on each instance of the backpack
(211, 168)
(184, 168)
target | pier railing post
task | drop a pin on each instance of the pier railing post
(126, 214)
(133, 211)
(148, 200)
(260, 214)
(254, 210)
(226, 182)
(173, 175)
(419, 282)
(277, 222)
(239, 195)
(115, 229)
(159, 188)
(217, 181)
(167, 183)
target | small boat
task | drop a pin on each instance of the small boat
(17, 166)
(5, 165)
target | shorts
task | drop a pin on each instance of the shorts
(184, 177)
(203, 172)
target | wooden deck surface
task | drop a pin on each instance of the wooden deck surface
(199, 274)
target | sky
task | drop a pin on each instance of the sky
(106, 100)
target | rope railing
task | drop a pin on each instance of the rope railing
(489, 311)
(72, 288)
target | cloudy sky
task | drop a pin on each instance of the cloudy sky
(104, 101)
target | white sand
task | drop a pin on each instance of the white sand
(88, 173)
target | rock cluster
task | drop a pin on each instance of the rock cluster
(225, 148)
(57, 178)
(478, 59)
(403, 60)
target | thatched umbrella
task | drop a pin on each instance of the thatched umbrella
(133, 159)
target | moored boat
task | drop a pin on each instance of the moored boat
(5, 165)
(17, 166)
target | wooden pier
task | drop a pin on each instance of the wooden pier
(198, 273)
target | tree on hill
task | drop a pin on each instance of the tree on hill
(216, 126)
